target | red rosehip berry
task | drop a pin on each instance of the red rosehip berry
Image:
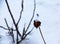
(37, 23)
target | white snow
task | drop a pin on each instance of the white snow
(49, 15)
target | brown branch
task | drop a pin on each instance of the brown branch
(42, 35)
(32, 16)
(22, 6)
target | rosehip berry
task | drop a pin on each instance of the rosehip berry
(37, 23)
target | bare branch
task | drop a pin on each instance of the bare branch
(3, 27)
(12, 34)
(23, 37)
(22, 6)
(29, 32)
(10, 12)
(12, 17)
(16, 24)
(23, 34)
(23, 31)
(32, 16)
(6, 23)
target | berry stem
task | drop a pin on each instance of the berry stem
(42, 35)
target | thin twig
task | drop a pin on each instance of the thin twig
(3, 27)
(18, 33)
(12, 17)
(42, 35)
(7, 24)
(24, 37)
(10, 12)
(29, 32)
(22, 6)
(23, 33)
(12, 34)
(32, 16)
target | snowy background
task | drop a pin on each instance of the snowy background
(49, 15)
